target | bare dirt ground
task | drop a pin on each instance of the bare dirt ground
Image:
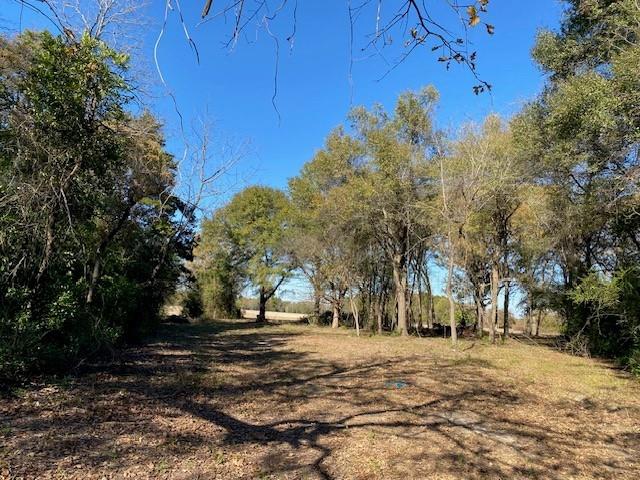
(231, 401)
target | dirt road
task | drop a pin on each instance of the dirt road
(230, 401)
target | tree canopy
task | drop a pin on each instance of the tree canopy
(542, 207)
(90, 232)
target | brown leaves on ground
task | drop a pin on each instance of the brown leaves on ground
(231, 401)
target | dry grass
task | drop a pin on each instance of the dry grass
(231, 401)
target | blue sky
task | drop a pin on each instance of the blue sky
(234, 87)
(314, 89)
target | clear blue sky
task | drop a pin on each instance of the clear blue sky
(314, 92)
(235, 87)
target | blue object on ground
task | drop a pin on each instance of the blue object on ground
(395, 383)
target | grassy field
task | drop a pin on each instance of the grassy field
(231, 401)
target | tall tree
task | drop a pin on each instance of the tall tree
(253, 229)
(583, 132)
(320, 213)
(91, 237)
(398, 148)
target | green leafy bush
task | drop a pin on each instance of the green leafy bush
(91, 238)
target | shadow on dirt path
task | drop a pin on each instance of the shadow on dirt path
(229, 400)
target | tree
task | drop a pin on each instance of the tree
(252, 230)
(91, 237)
(219, 280)
(583, 132)
(322, 215)
(397, 150)
(482, 181)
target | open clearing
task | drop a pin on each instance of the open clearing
(229, 400)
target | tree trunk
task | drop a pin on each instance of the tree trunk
(528, 325)
(479, 313)
(452, 303)
(495, 278)
(316, 304)
(380, 311)
(372, 312)
(538, 322)
(356, 314)
(420, 307)
(400, 281)
(97, 264)
(505, 316)
(95, 276)
(262, 313)
(335, 322)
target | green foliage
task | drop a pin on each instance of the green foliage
(192, 303)
(613, 306)
(243, 244)
(633, 361)
(89, 236)
(218, 282)
(583, 134)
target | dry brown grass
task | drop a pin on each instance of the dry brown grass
(231, 401)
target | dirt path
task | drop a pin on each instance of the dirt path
(230, 401)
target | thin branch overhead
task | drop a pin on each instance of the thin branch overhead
(441, 27)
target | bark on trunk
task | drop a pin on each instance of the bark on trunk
(316, 304)
(538, 322)
(380, 311)
(372, 312)
(335, 323)
(356, 314)
(262, 309)
(479, 314)
(507, 287)
(452, 303)
(494, 303)
(420, 307)
(528, 327)
(95, 276)
(400, 282)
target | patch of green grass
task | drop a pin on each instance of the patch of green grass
(375, 465)
(468, 360)
(18, 392)
(218, 457)
(161, 467)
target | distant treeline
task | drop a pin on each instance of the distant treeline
(546, 323)
(546, 203)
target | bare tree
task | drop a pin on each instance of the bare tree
(115, 21)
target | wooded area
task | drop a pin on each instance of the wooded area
(545, 204)
(467, 300)
(92, 235)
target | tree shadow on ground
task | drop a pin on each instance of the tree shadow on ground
(200, 394)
